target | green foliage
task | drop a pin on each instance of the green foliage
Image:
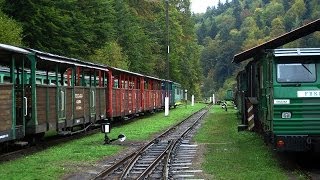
(239, 25)
(229, 84)
(126, 34)
(10, 30)
(112, 54)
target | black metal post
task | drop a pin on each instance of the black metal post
(106, 139)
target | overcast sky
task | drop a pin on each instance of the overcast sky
(200, 6)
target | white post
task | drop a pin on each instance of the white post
(210, 99)
(213, 99)
(166, 106)
(192, 100)
(186, 95)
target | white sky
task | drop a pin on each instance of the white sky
(200, 6)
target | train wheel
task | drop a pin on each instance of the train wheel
(4, 147)
(35, 139)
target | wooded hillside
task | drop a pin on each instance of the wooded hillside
(237, 25)
(129, 34)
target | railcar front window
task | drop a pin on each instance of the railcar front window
(296, 72)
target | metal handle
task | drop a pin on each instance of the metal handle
(93, 95)
(26, 106)
(62, 100)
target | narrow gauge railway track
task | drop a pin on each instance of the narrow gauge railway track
(160, 157)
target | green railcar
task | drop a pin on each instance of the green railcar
(229, 95)
(41, 92)
(178, 94)
(282, 98)
(175, 92)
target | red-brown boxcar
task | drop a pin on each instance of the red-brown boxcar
(152, 93)
(124, 93)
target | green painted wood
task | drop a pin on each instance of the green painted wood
(13, 109)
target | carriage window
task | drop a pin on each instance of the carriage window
(296, 72)
(126, 86)
(6, 79)
(53, 82)
(38, 81)
(46, 81)
(116, 83)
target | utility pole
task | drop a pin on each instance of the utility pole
(166, 111)
(168, 41)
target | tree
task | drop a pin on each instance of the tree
(293, 16)
(10, 31)
(277, 27)
(272, 11)
(70, 28)
(111, 54)
(133, 39)
(237, 13)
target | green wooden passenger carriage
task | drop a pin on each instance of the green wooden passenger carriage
(279, 92)
(47, 92)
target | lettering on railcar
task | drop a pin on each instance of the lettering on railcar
(78, 96)
(281, 101)
(308, 93)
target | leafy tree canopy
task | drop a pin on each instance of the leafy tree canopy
(238, 25)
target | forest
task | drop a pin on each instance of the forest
(128, 34)
(238, 25)
(131, 34)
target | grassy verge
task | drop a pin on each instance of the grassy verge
(54, 162)
(235, 155)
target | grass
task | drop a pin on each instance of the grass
(144, 129)
(55, 162)
(235, 155)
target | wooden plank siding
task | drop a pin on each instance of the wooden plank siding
(86, 102)
(158, 99)
(44, 92)
(135, 105)
(101, 102)
(116, 107)
(6, 107)
(138, 100)
(41, 104)
(52, 118)
(79, 102)
(69, 115)
(147, 100)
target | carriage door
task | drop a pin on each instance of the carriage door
(265, 87)
(92, 102)
(23, 96)
(21, 103)
(61, 104)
